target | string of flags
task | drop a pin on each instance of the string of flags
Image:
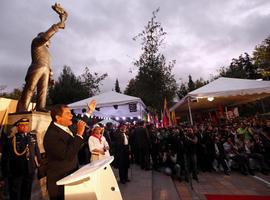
(167, 118)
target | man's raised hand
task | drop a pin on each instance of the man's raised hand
(91, 106)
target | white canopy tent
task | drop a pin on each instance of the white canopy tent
(105, 121)
(225, 92)
(113, 104)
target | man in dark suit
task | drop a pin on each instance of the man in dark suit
(62, 147)
(142, 141)
(20, 159)
(122, 153)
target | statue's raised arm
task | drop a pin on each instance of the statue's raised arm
(39, 73)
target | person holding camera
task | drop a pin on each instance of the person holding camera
(190, 155)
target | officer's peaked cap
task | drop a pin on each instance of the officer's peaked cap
(22, 121)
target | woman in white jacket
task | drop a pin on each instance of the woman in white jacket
(98, 145)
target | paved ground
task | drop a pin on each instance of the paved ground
(164, 188)
(152, 185)
(140, 186)
(217, 183)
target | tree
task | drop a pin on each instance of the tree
(154, 80)
(117, 87)
(2, 88)
(185, 88)
(200, 82)
(131, 88)
(91, 81)
(261, 58)
(240, 68)
(15, 94)
(191, 85)
(183, 91)
(68, 88)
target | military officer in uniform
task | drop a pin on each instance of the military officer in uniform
(20, 159)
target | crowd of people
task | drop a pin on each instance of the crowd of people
(181, 151)
(184, 150)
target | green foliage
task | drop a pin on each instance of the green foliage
(261, 58)
(185, 88)
(191, 85)
(91, 81)
(117, 87)
(131, 88)
(240, 68)
(69, 88)
(182, 91)
(154, 80)
(15, 94)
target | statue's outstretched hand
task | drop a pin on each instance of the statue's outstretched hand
(62, 14)
(58, 9)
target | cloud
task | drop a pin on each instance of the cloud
(201, 35)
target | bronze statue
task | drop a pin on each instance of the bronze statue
(39, 74)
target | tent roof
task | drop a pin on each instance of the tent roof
(105, 121)
(231, 87)
(226, 91)
(108, 99)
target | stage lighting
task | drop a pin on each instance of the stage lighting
(210, 98)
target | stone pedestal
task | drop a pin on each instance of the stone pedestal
(39, 122)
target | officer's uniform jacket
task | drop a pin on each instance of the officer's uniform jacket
(16, 164)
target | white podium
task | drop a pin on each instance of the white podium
(94, 181)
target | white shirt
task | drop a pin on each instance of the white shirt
(216, 148)
(65, 128)
(125, 139)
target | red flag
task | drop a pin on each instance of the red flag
(149, 118)
(156, 122)
(166, 115)
(161, 119)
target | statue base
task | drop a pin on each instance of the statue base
(38, 122)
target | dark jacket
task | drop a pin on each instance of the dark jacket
(61, 150)
(141, 138)
(121, 151)
(14, 164)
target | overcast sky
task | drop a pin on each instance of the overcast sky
(202, 35)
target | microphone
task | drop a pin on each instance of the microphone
(76, 120)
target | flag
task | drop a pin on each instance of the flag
(174, 121)
(166, 115)
(161, 118)
(149, 118)
(156, 122)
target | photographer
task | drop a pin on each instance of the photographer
(190, 156)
